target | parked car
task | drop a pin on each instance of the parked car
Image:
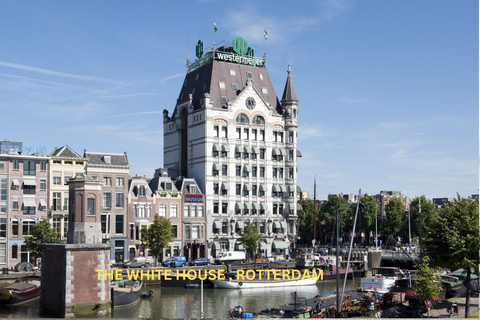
(139, 262)
(175, 262)
(200, 262)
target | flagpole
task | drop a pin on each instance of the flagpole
(214, 27)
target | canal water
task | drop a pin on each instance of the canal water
(185, 303)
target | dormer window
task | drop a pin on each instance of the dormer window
(141, 191)
(192, 188)
(168, 186)
(107, 159)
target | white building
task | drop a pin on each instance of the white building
(230, 132)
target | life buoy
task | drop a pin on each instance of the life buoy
(240, 284)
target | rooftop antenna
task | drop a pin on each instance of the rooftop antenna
(265, 36)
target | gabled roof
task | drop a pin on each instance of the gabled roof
(289, 91)
(65, 152)
(135, 183)
(157, 184)
(99, 158)
(206, 79)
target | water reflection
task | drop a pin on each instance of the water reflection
(185, 303)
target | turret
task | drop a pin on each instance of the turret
(289, 101)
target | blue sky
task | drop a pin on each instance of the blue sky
(388, 90)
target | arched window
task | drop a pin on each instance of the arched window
(242, 118)
(258, 120)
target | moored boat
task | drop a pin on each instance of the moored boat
(263, 283)
(383, 279)
(126, 293)
(21, 291)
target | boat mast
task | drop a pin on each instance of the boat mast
(336, 264)
(314, 212)
(376, 234)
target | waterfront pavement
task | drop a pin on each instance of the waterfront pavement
(442, 312)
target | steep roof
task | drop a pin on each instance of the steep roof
(99, 158)
(65, 152)
(206, 79)
(289, 91)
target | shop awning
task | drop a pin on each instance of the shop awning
(15, 182)
(29, 202)
(29, 182)
(263, 246)
(280, 244)
(43, 202)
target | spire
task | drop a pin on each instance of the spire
(289, 92)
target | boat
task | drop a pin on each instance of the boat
(383, 279)
(147, 294)
(126, 293)
(261, 283)
(21, 291)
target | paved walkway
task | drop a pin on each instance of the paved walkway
(442, 313)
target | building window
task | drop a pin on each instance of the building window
(28, 210)
(195, 232)
(249, 75)
(175, 230)
(118, 224)
(43, 165)
(15, 228)
(187, 232)
(15, 251)
(224, 169)
(216, 131)
(238, 188)
(254, 190)
(262, 172)
(234, 86)
(57, 178)
(27, 226)
(57, 201)
(224, 207)
(103, 222)
(192, 188)
(173, 210)
(262, 154)
(29, 168)
(119, 200)
(290, 137)
(262, 135)
(290, 173)
(3, 227)
(141, 211)
(200, 210)
(224, 132)
(215, 207)
(290, 155)
(135, 214)
(264, 90)
(107, 181)
(275, 172)
(275, 208)
(245, 191)
(193, 210)
(120, 181)
(215, 188)
(280, 173)
(224, 227)
(238, 171)
(254, 171)
(260, 75)
(16, 165)
(15, 204)
(3, 253)
(238, 133)
(242, 118)
(221, 85)
(65, 226)
(56, 225)
(162, 212)
(91, 207)
(28, 189)
(245, 133)
(186, 210)
(43, 184)
(141, 191)
(232, 72)
(107, 200)
(3, 208)
(3, 189)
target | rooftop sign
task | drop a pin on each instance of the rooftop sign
(16, 149)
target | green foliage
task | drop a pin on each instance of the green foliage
(394, 215)
(369, 212)
(329, 209)
(427, 215)
(427, 283)
(305, 216)
(42, 232)
(250, 238)
(452, 238)
(157, 236)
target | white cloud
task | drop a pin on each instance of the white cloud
(306, 132)
(176, 75)
(56, 73)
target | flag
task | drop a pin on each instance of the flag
(264, 33)
(214, 27)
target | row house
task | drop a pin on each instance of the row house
(23, 198)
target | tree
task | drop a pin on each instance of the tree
(329, 210)
(368, 214)
(250, 238)
(426, 286)
(427, 214)
(305, 217)
(42, 232)
(394, 215)
(157, 236)
(452, 238)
